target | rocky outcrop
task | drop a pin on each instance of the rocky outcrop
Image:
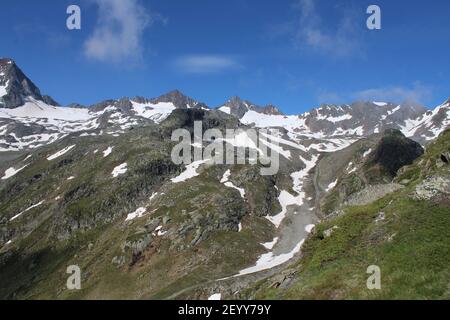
(393, 152)
(433, 187)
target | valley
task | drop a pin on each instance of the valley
(96, 187)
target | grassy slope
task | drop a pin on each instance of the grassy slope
(411, 246)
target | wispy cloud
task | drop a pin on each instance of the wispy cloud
(205, 64)
(341, 40)
(417, 92)
(308, 31)
(117, 36)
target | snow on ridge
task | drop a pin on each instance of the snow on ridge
(335, 119)
(157, 112)
(60, 153)
(411, 126)
(380, 104)
(12, 172)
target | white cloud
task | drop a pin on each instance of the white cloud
(118, 34)
(418, 92)
(202, 64)
(342, 40)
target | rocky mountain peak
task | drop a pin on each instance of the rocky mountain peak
(239, 107)
(16, 87)
(179, 100)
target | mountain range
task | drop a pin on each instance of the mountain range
(95, 186)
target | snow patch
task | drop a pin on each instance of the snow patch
(136, 214)
(26, 210)
(119, 170)
(12, 172)
(331, 185)
(367, 153)
(190, 172)
(107, 152)
(3, 91)
(215, 296)
(225, 110)
(271, 244)
(229, 184)
(269, 260)
(60, 153)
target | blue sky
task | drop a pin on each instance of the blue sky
(294, 54)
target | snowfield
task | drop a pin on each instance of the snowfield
(35, 109)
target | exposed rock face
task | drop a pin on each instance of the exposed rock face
(372, 193)
(433, 187)
(239, 108)
(180, 101)
(18, 86)
(395, 151)
(366, 117)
